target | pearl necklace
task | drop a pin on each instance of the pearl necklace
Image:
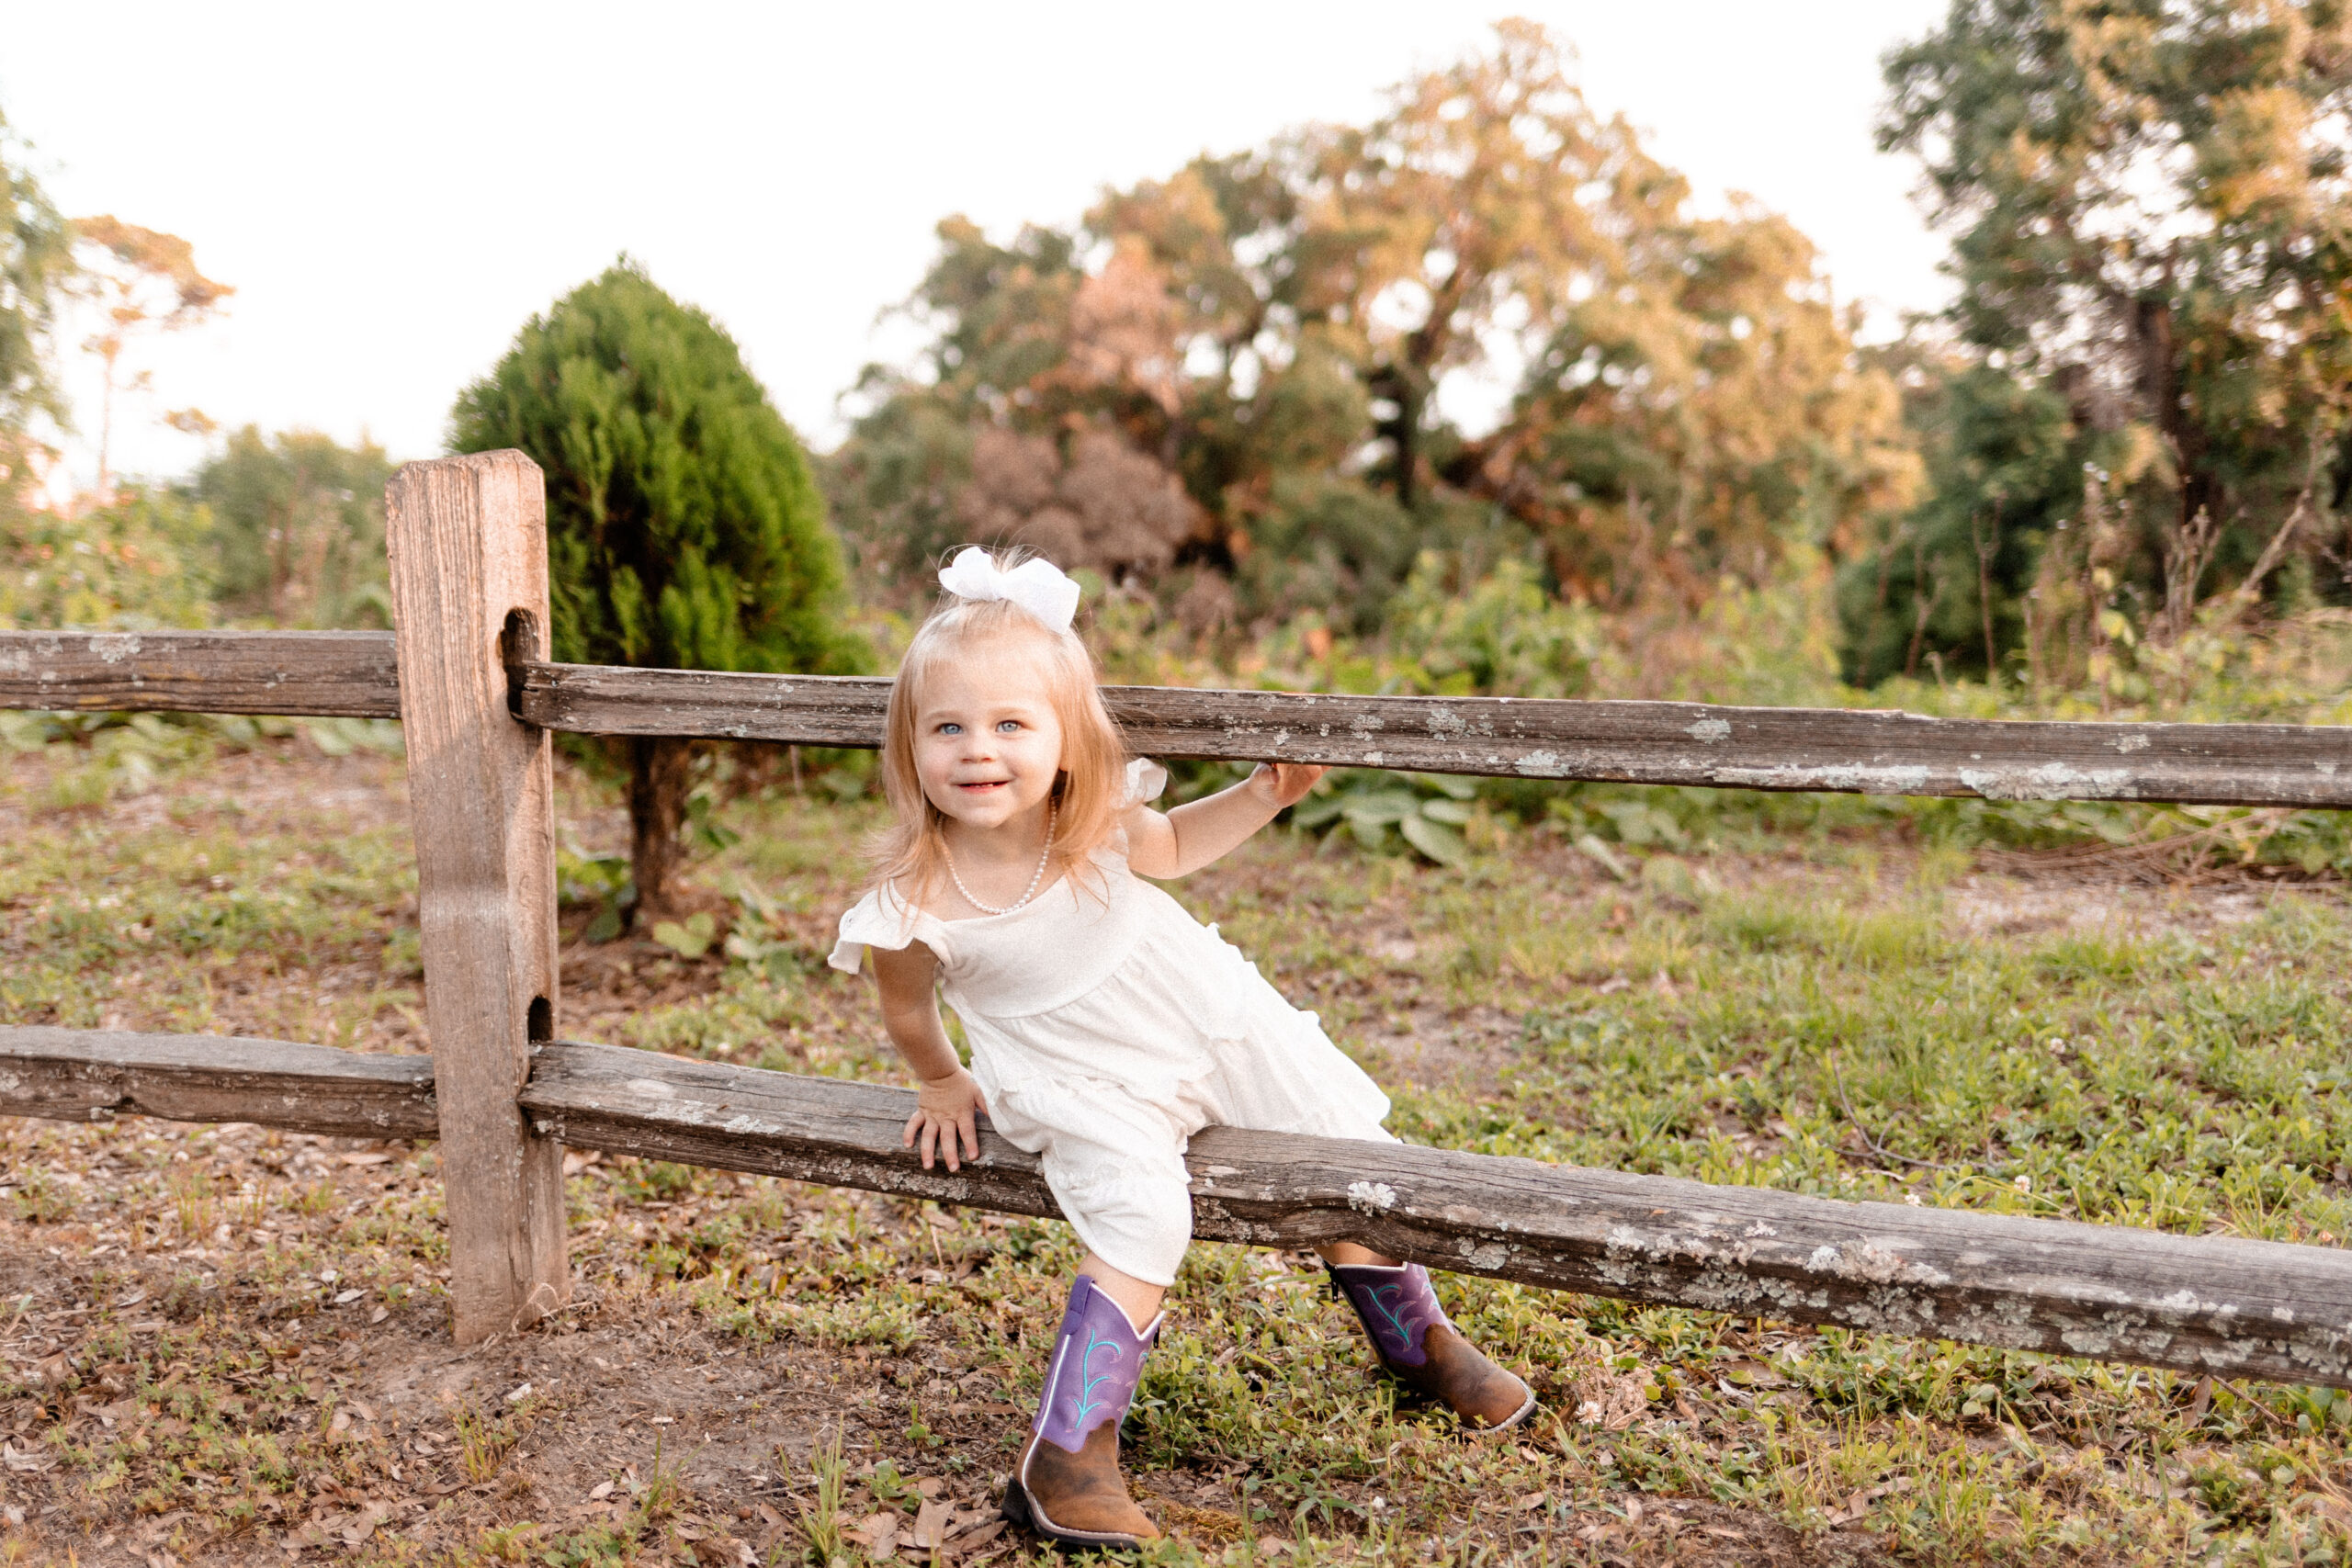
(1035, 877)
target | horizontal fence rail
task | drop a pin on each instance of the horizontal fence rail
(88, 1075)
(1852, 750)
(297, 674)
(1629, 742)
(2197, 1304)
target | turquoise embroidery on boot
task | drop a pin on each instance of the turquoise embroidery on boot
(1401, 1328)
(1087, 1403)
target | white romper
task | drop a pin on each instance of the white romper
(1107, 1026)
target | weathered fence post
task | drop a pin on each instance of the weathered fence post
(467, 542)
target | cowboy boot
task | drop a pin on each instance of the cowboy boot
(1067, 1486)
(1420, 1347)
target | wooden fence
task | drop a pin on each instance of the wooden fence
(466, 675)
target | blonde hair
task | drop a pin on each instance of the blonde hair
(1090, 789)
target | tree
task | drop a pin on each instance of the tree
(685, 530)
(1271, 327)
(36, 265)
(142, 281)
(1488, 198)
(2152, 229)
(1697, 415)
(1954, 577)
(299, 528)
(1048, 416)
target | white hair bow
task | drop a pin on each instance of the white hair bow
(1036, 585)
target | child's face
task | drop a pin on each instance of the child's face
(987, 742)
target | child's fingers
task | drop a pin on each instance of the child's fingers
(1292, 780)
(970, 1128)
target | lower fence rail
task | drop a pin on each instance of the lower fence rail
(2199, 1304)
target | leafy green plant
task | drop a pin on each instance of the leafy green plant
(41, 1201)
(601, 881)
(1426, 812)
(341, 737)
(757, 940)
(689, 938)
(137, 563)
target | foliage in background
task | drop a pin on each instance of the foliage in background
(1222, 387)
(142, 282)
(2151, 212)
(299, 528)
(36, 263)
(685, 530)
(141, 561)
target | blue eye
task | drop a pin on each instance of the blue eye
(951, 730)
(1009, 726)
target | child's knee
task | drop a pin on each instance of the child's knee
(1138, 1221)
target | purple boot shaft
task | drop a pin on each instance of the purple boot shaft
(1398, 1306)
(1098, 1357)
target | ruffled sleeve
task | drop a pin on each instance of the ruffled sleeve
(881, 919)
(1146, 779)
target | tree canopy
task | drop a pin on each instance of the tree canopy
(2152, 238)
(686, 529)
(1241, 363)
(36, 261)
(298, 526)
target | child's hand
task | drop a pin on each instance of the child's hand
(1285, 783)
(944, 1113)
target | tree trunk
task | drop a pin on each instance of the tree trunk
(657, 810)
(1396, 383)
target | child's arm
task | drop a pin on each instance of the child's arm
(950, 1097)
(1189, 836)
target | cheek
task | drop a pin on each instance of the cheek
(1045, 753)
(933, 761)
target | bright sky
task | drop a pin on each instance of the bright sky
(393, 190)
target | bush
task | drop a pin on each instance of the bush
(299, 528)
(684, 527)
(141, 562)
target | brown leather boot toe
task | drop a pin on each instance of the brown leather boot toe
(1419, 1346)
(1078, 1498)
(1459, 1376)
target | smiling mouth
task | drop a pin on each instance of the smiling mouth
(985, 783)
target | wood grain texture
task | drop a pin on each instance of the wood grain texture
(2193, 1303)
(1853, 751)
(78, 1075)
(467, 540)
(323, 674)
(1637, 742)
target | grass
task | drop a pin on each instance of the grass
(226, 1345)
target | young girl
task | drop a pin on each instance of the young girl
(1106, 1026)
